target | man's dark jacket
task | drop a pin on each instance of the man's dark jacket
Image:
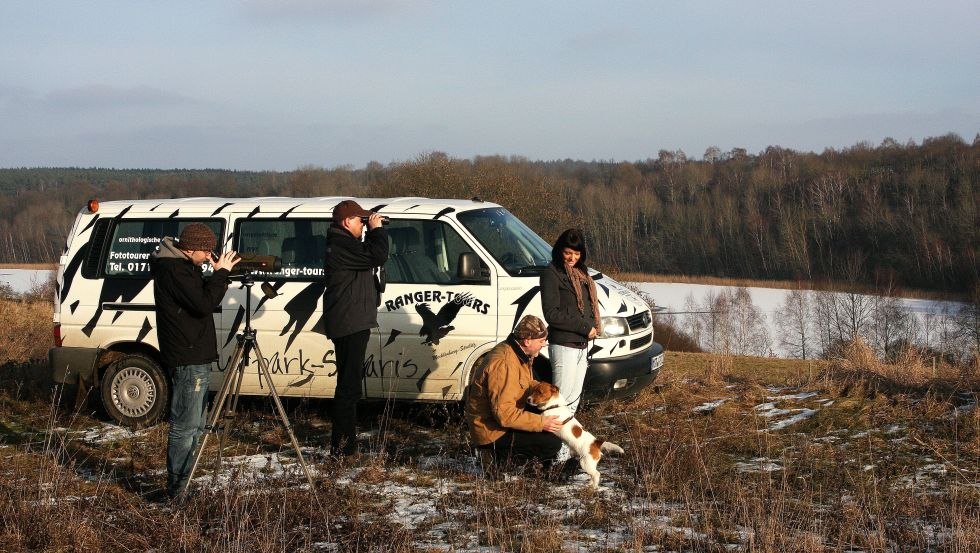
(185, 304)
(350, 301)
(566, 324)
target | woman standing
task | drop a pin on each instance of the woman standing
(571, 309)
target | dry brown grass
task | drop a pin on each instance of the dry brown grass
(858, 371)
(31, 266)
(27, 331)
(884, 463)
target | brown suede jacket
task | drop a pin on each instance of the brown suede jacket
(496, 398)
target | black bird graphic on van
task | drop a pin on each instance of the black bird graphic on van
(436, 326)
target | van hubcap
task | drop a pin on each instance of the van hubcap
(133, 392)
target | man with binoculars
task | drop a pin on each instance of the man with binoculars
(350, 309)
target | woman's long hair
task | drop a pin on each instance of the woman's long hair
(572, 238)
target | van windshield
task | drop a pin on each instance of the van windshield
(515, 246)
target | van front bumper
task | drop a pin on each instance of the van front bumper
(623, 376)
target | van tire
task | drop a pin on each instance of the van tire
(135, 391)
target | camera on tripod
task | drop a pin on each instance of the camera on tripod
(255, 263)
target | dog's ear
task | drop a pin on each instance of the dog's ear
(552, 389)
(537, 393)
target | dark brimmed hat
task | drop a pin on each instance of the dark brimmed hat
(197, 236)
(348, 208)
(530, 328)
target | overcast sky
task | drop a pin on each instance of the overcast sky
(281, 84)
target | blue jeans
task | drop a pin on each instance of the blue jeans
(569, 365)
(188, 412)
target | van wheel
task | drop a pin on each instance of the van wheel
(135, 391)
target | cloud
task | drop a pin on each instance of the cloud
(109, 97)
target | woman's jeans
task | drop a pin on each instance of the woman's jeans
(188, 411)
(569, 365)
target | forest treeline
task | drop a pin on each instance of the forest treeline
(887, 215)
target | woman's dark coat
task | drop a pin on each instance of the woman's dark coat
(566, 324)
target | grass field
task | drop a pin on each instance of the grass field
(722, 453)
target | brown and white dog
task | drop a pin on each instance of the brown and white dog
(581, 442)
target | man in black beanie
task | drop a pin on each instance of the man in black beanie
(350, 309)
(185, 304)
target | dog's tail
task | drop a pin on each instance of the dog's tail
(609, 447)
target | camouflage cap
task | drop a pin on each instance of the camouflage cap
(530, 328)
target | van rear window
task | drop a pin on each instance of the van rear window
(133, 240)
(300, 244)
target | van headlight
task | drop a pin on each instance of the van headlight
(614, 326)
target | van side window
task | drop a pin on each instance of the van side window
(133, 240)
(423, 252)
(299, 243)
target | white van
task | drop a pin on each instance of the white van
(460, 275)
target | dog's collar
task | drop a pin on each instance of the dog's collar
(564, 422)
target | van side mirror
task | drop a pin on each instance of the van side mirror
(471, 269)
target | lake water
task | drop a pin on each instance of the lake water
(674, 298)
(22, 280)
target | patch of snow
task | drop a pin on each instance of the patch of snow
(799, 396)
(963, 410)
(759, 464)
(769, 410)
(54, 501)
(106, 433)
(801, 416)
(411, 506)
(250, 469)
(709, 406)
(923, 479)
(468, 465)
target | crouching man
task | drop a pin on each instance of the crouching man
(500, 425)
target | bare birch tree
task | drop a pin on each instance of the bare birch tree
(794, 324)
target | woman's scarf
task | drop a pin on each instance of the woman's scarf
(578, 277)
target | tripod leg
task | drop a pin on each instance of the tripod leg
(215, 415)
(228, 417)
(264, 369)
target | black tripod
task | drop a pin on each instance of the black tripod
(222, 416)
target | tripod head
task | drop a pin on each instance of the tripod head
(247, 279)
